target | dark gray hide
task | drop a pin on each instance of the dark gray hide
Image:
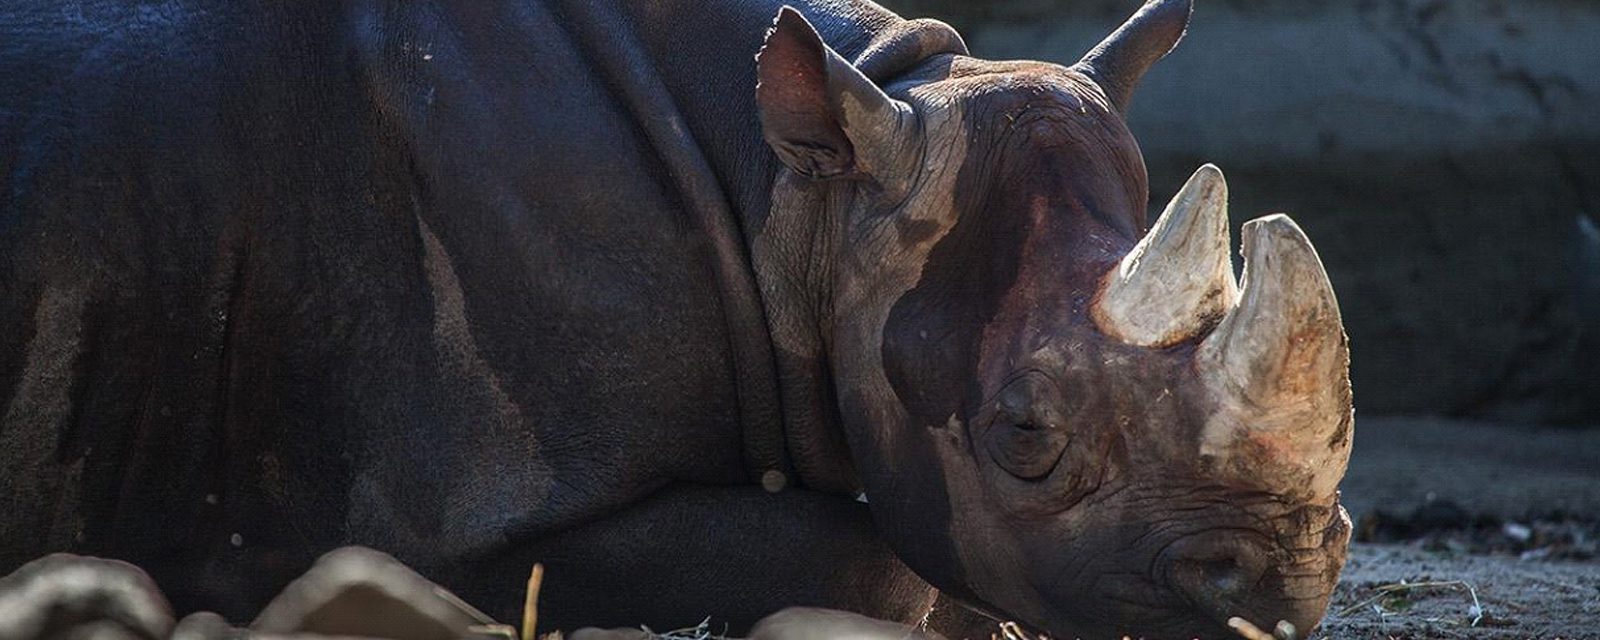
(466, 282)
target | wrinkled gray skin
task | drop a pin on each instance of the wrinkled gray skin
(481, 285)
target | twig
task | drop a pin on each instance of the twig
(1247, 630)
(1403, 587)
(1012, 631)
(530, 605)
(700, 631)
(1477, 607)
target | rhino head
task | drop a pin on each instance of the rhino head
(1061, 414)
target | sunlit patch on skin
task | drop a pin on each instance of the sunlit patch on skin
(514, 466)
(42, 394)
(41, 404)
(452, 335)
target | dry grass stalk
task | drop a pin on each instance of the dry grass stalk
(1247, 630)
(1013, 631)
(700, 631)
(1401, 588)
(1283, 631)
(530, 604)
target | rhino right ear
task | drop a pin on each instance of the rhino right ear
(821, 116)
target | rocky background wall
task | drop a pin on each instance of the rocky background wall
(1444, 156)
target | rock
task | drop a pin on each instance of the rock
(64, 596)
(205, 625)
(1517, 531)
(355, 591)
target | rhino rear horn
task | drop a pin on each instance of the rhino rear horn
(1178, 281)
(1278, 364)
(1119, 61)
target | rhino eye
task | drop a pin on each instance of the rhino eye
(1027, 439)
(1028, 449)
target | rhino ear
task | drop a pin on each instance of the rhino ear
(821, 116)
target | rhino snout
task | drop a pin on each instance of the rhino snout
(1228, 574)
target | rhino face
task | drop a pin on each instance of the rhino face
(1060, 416)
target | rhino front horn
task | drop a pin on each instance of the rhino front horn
(1119, 61)
(1278, 366)
(1178, 281)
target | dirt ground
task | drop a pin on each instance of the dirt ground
(1516, 598)
(1470, 523)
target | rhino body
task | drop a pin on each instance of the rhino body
(483, 284)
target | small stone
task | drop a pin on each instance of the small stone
(774, 481)
(1517, 531)
(204, 625)
(236, 540)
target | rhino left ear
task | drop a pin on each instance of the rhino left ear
(821, 116)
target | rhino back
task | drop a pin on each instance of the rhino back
(407, 276)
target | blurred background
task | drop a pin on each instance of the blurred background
(1443, 155)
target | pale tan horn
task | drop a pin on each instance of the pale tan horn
(1178, 281)
(1278, 366)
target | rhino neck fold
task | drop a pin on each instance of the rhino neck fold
(619, 55)
(794, 262)
(710, 143)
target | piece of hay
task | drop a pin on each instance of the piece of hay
(530, 603)
(1403, 588)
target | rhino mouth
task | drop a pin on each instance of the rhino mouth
(1263, 571)
(1244, 574)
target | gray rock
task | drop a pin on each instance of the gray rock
(355, 591)
(67, 597)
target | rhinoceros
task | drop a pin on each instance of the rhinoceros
(860, 322)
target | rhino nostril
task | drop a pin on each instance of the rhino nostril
(1229, 573)
(1225, 575)
(1215, 571)
(1211, 579)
